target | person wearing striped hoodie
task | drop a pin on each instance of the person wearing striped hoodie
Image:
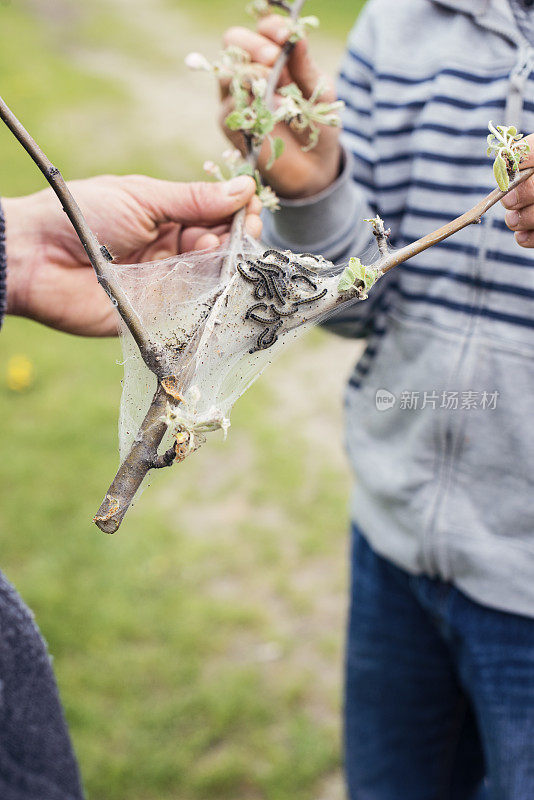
(439, 698)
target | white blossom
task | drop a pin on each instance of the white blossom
(197, 61)
(213, 169)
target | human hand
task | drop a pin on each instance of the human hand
(138, 218)
(295, 173)
(520, 203)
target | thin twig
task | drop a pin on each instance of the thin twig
(98, 255)
(333, 299)
(252, 152)
(280, 4)
(471, 217)
(381, 234)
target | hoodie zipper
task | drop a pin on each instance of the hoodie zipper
(434, 560)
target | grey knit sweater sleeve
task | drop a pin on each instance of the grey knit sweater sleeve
(36, 757)
(3, 268)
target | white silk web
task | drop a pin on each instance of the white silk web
(221, 318)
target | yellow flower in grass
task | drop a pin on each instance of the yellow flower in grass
(19, 375)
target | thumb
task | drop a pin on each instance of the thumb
(196, 203)
(302, 68)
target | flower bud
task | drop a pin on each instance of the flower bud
(197, 61)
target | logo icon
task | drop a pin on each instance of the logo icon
(384, 400)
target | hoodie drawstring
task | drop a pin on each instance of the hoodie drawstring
(516, 87)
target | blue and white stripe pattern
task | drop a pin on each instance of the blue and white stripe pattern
(441, 491)
(416, 128)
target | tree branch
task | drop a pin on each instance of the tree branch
(471, 217)
(252, 152)
(98, 255)
(143, 457)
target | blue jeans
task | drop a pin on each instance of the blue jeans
(439, 690)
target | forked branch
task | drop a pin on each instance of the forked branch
(143, 455)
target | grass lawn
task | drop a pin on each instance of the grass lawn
(198, 652)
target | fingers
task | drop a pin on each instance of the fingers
(528, 161)
(307, 75)
(525, 238)
(199, 238)
(522, 222)
(255, 206)
(303, 70)
(266, 45)
(192, 203)
(207, 242)
(521, 196)
(520, 205)
(253, 225)
(190, 236)
(261, 48)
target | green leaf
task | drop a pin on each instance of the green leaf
(356, 271)
(235, 120)
(245, 169)
(347, 280)
(370, 277)
(291, 90)
(278, 147)
(501, 173)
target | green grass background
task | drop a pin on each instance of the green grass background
(195, 650)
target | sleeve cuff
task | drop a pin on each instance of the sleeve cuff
(328, 223)
(3, 268)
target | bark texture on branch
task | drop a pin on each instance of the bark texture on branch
(471, 217)
(143, 457)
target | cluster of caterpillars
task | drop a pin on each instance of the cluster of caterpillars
(281, 286)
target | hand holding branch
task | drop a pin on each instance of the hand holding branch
(520, 203)
(138, 218)
(297, 172)
(142, 219)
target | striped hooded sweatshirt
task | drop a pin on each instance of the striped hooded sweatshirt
(440, 407)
